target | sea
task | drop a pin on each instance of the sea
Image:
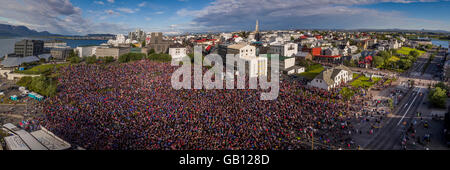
(442, 43)
(7, 44)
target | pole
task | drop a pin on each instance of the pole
(312, 142)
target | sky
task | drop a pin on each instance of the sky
(81, 17)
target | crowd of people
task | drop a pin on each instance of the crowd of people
(134, 107)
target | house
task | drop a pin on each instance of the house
(242, 49)
(303, 56)
(255, 66)
(332, 77)
(287, 50)
(177, 51)
(331, 52)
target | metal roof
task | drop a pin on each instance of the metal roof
(17, 61)
(50, 141)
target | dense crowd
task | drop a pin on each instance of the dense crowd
(133, 106)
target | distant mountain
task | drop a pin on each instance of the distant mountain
(20, 31)
(100, 35)
(402, 30)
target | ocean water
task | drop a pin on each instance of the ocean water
(7, 44)
(442, 43)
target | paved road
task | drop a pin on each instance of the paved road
(388, 137)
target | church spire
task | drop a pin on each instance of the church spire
(257, 26)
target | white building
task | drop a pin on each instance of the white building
(255, 66)
(331, 78)
(86, 51)
(177, 51)
(244, 50)
(288, 49)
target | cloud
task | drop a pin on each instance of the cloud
(142, 4)
(55, 16)
(111, 12)
(159, 12)
(127, 10)
(111, 1)
(287, 14)
(99, 2)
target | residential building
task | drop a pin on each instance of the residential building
(26, 48)
(177, 51)
(303, 56)
(242, 49)
(287, 50)
(332, 77)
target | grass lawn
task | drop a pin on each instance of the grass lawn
(40, 69)
(365, 82)
(394, 59)
(406, 50)
(355, 75)
(312, 71)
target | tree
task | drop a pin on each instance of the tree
(414, 53)
(74, 60)
(438, 97)
(151, 51)
(378, 61)
(91, 59)
(131, 57)
(442, 86)
(108, 59)
(143, 44)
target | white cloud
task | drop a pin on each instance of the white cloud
(111, 12)
(286, 14)
(127, 10)
(142, 4)
(111, 1)
(99, 2)
(159, 12)
(55, 16)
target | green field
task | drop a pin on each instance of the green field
(364, 82)
(41, 69)
(407, 50)
(312, 71)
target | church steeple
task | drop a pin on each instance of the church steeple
(257, 26)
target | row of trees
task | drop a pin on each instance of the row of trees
(161, 57)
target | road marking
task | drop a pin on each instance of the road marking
(409, 107)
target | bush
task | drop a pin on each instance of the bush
(91, 59)
(107, 60)
(160, 57)
(131, 57)
(152, 51)
(74, 59)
